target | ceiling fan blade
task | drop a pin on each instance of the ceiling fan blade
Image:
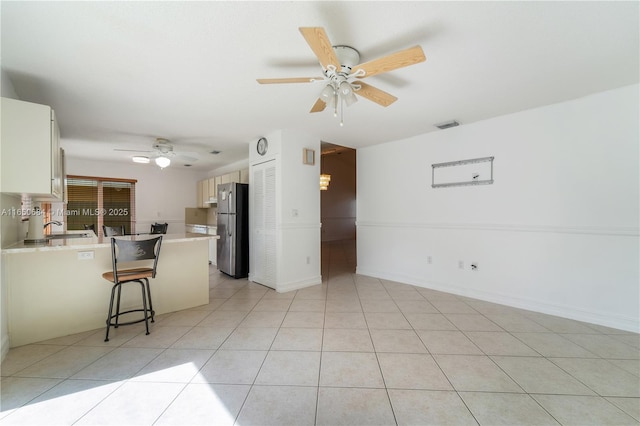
(131, 150)
(317, 39)
(187, 158)
(374, 94)
(320, 105)
(289, 80)
(400, 59)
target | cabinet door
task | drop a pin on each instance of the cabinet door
(218, 182)
(225, 178)
(205, 193)
(234, 176)
(199, 201)
(63, 163)
(244, 176)
(213, 188)
(30, 151)
(57, 180)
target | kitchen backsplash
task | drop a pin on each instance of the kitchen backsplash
(199, 216)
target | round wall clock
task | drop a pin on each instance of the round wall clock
(262, 146)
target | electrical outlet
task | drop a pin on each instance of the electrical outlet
(85, 255)
(429, 260)
(460, 264)
(474, 266)
(308, 260)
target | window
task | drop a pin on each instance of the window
(100, 201)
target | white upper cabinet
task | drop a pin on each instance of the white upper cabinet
(211, 185)
(202, 193)
(31, 156)
(244, 176)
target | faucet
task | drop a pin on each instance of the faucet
(55, 222)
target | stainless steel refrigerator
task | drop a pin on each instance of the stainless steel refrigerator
(233, 229)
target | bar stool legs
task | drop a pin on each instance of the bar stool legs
(113, 318)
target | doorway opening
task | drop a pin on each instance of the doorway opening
(338, 208)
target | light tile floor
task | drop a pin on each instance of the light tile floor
(353, 351)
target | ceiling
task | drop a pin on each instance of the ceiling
(120, 74)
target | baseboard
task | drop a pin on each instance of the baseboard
(564, 311)
(4, 347)
(297, 285)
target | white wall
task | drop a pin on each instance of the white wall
(557, 232)
(297, 208)
(300, 221)
(161, 195)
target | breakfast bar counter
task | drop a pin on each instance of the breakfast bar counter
(56, 288)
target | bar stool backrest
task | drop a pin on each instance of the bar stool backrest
(111, 231)
(133, 251)
(159, 228)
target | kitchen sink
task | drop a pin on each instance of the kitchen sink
(59, 236)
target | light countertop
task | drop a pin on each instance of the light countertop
(95, 242)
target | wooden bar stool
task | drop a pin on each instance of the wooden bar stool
(132, 252)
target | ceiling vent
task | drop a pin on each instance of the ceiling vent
(215, 152)
(447, 124)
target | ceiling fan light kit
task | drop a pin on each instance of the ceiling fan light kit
(163, 162)
(341, 66)
(164, 151)
(140, 159)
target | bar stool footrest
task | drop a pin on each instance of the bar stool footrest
(150, 315)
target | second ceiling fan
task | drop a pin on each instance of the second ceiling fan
(341, 67)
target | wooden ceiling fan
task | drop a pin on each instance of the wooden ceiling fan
(341, 68)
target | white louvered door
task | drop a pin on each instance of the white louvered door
(263, 248)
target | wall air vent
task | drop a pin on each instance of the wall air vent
(215, 152)
(447, 124)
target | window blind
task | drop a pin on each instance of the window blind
(100, 201)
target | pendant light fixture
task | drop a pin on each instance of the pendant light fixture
(324, 181)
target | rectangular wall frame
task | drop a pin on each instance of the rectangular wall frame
(475, 171)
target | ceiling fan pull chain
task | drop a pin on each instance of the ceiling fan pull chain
(341, 111)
